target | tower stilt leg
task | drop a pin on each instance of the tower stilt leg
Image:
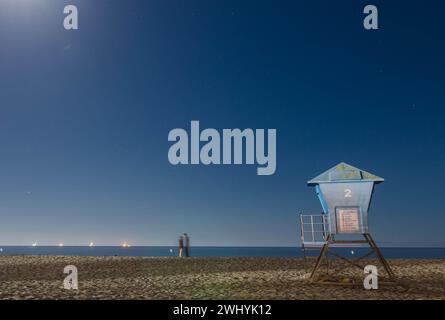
(320, 258)
(379, 254)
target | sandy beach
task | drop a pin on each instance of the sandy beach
(41, 277)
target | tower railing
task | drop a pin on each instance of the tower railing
(313, 231)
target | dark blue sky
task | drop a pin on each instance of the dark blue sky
(84, 117)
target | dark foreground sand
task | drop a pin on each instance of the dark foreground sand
(41, 277)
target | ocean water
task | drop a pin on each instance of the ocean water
(153, 251)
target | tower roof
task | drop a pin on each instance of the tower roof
(344, 172)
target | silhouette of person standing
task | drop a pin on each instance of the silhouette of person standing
(181, 245)
(187, 245)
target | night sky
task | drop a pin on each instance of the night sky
(85, 116)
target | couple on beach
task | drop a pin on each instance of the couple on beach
(184, 238)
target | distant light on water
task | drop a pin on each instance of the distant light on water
(125, 245)
(61, 244)
(34, 244)
(91, 244)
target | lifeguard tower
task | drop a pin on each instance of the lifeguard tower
(345, 194)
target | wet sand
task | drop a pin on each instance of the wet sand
(41, 277)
